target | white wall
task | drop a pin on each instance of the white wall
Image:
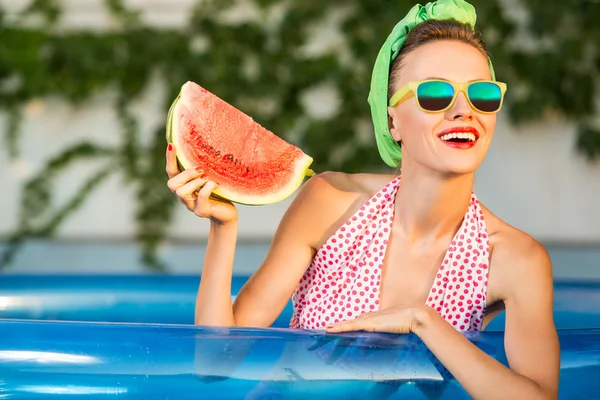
(532, 177)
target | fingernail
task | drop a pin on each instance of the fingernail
(170, 147)
(199, 169)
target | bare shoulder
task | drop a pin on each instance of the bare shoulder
(329, 198)
(351, 183)
(333, 187)
(517, 260)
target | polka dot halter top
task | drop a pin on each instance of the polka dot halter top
(344, 278)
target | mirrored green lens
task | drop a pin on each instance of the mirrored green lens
(435, 96)
(485, 96)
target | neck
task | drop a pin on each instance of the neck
(431, 206)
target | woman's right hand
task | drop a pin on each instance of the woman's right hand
(194, 189)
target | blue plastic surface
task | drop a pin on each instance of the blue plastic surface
(170, 300)
(116, 358)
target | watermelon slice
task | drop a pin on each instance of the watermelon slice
(252, 165)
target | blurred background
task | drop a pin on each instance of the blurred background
(85, 86)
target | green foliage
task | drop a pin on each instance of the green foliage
(261, 65)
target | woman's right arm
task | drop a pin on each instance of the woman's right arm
(267, 292)
(311, 214)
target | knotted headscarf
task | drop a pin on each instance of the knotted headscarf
(459, 10)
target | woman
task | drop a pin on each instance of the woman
(415, 252)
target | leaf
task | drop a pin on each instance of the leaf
(588, 141)
(49, 9)
(12, 130)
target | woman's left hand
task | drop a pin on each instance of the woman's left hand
(391, 320)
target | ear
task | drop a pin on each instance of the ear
(394, 123)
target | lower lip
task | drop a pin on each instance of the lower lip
(460, 145)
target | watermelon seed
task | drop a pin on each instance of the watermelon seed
(210, 150)
(217, 153)
(228, 157)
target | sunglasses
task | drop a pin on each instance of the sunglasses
(434, 95)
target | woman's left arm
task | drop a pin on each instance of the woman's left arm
(530, 338)
(524, 278)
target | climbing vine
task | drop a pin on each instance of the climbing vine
(266, 66)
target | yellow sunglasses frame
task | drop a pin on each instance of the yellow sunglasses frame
(411, 89)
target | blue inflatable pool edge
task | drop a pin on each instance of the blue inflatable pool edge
(149, 361)
(132, 337)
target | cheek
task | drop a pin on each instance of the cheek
(488, 123)
(416, 124)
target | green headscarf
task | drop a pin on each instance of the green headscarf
(459, 10)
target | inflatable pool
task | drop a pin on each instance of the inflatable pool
(132, 337)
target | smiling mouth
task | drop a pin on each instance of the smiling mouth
(465, 137)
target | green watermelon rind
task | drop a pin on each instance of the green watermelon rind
(301, 171)
(170, 127)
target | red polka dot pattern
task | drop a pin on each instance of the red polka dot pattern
(344, 278)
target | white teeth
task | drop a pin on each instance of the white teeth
(449, 136)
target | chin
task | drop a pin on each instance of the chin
(459, 168)
(459, 171)
(449, 162)
(460, 162)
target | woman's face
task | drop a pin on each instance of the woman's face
(420, 131)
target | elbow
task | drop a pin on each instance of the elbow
(543, 392)
(215, 319)
(549, 395)
(250, 322)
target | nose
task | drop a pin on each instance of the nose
(461, 109)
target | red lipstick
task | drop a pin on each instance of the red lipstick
(459, 137)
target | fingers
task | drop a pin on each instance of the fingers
(172, 167)
(188, 192)
(346, 326)
(398, 320)
(191, 186)
(363, 322)
(203, 206)
(183, 178)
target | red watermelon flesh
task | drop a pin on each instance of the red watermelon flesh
(251, 164)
